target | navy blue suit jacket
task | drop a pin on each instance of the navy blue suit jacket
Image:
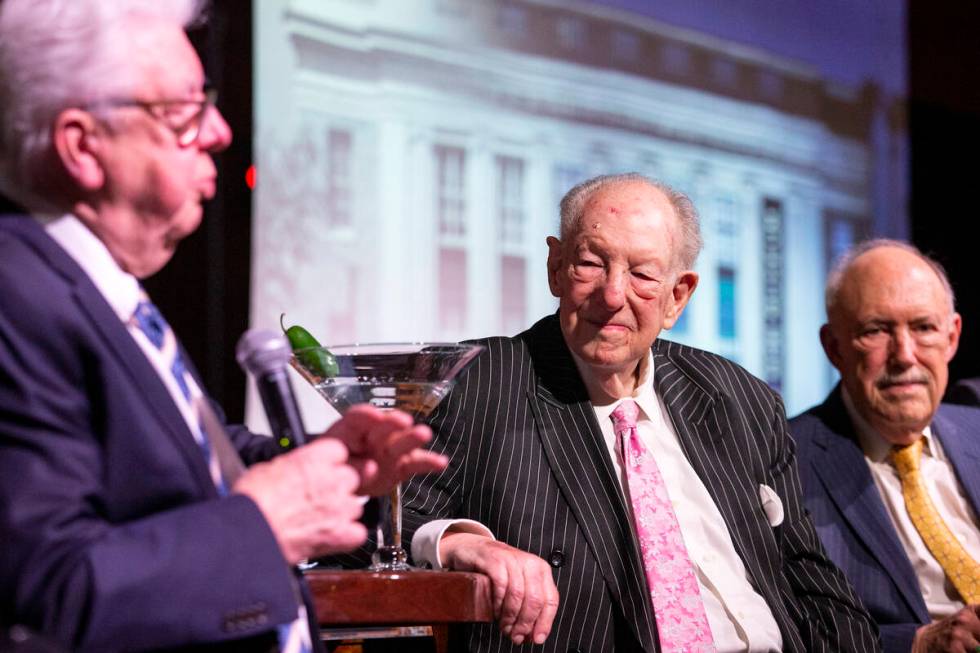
(112, 535)
(850, 516)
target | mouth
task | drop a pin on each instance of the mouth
(207, 188)
(900, 384)
(608, 327)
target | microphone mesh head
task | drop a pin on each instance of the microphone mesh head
(260, 351)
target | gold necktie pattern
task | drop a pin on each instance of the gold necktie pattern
(962, 570)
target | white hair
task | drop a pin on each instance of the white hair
(57, 54)
(573, 205)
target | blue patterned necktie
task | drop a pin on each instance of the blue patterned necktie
(149, 320)
(294, 637)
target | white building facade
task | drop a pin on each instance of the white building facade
(411, 156)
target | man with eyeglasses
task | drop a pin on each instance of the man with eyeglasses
(890, 475)
(127, 519)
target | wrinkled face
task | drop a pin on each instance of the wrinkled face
(891, 337)
(614, 276)
(153, 186)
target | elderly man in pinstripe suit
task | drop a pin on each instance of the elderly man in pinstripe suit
(651, 486)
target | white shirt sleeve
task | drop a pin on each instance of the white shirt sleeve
(425, 542)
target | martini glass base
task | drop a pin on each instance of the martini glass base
(390, 558)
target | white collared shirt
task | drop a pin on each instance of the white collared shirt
(739, 617)
(940, 596)
(122, 292)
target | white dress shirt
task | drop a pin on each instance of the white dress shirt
(739, 617)
(122, 291)
(944, 489)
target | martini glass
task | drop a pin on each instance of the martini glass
(413, 377)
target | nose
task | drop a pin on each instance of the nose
(613, 290)
(215, 133)
(903, 348)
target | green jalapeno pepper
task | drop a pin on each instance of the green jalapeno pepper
(316, 359)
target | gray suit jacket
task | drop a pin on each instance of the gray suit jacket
(528, 460)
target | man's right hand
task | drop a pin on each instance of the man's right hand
(525, 598)
(957, 633)
(307, 496)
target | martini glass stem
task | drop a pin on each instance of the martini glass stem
(389, 555)
(396, 516)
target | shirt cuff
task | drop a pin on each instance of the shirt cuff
(425, 541)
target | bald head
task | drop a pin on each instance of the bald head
(891, 332)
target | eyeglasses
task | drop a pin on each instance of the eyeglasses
(187, 128)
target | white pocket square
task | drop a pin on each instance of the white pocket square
(771, 505)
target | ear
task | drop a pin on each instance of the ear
(831, 346)
(954, 336)
(680, 294)
(555, 260)
(77, 140)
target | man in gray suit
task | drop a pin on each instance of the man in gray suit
(891, 331)
(702, 545)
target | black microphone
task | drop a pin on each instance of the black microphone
(264, 355)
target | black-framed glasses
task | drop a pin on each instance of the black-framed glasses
(186, 127)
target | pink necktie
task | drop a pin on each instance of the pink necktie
(681, 621)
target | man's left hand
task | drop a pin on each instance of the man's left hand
(385, 447)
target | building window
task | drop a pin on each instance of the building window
(452, 291)
(724, 72)
(770, 85)
(676, 59)
(513, 293)
(510, 198)
(726, 303)
(571, 32)
(625, 46)
(513, 21)
(451, 190)
(773, 338)
(339, 178)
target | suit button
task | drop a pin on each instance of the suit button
(557, 557)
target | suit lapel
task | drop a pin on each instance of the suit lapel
(962, 449)
(117, 339)
(697, 411)
(579, 460)
(841, 467)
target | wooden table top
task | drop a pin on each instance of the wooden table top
(414, 597)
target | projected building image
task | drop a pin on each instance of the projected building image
(410, 166)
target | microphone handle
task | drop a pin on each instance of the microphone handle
(281, 409)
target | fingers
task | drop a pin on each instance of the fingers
(307, 497)
(535, 598)
(362, 425)
(523, 592)
(421, 462)
(957, 633)
(393, 444)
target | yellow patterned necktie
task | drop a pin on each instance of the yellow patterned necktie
(962, 570)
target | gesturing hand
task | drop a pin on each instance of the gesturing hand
(385, 447)
(957, 633)
(307, 496)
(525, 598)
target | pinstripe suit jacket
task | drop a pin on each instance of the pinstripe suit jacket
(851, 518)
(529, 461)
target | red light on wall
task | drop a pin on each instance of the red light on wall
(250, 177)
